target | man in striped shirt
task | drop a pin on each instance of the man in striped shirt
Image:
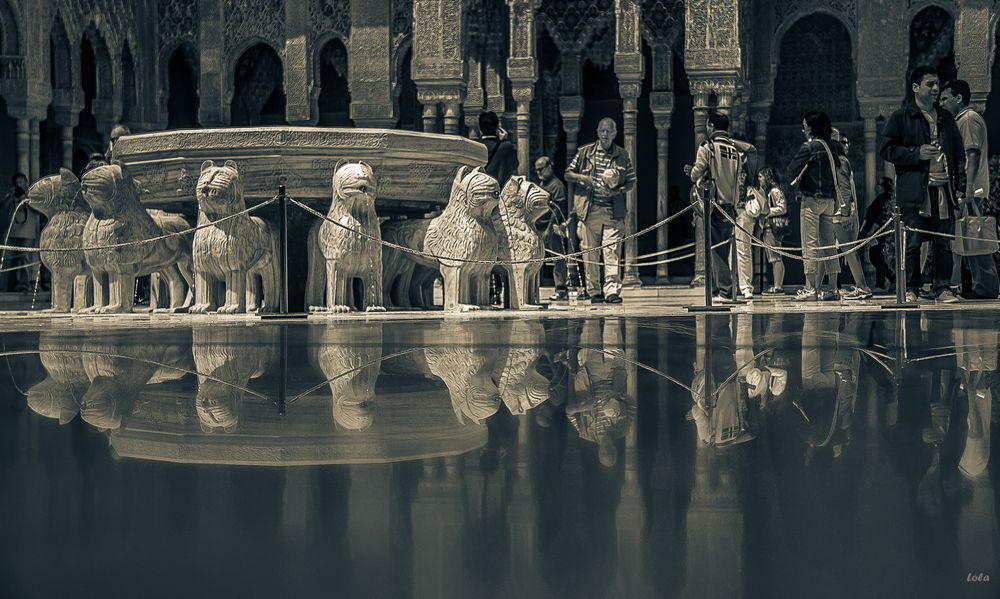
(602, 173)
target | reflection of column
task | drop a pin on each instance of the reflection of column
(67, 147)
(662, 104)
(23, 147)
(35, 152)
(630, 95)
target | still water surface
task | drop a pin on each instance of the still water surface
(817, 455)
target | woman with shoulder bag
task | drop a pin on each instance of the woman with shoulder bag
(846, 225)
(774, 222)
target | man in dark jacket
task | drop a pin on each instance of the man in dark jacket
(925, 145)
(501, 160)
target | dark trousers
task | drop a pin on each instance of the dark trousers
(722, 230)
(556, 243)
(940, 257)
(883, 274)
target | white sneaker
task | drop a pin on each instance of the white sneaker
(747, 293)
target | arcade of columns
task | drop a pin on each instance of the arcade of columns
(460, 65)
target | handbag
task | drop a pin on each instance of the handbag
(754, 203)
(975, 235)
(779, 225)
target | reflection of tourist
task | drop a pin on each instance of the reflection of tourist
(599, 407)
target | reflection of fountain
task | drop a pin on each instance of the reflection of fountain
(226, 359)
(59, 395)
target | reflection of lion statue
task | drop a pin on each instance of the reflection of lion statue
(340, 258)
(60, 199)
(522, 386)
(116, 218)
(521, 204)
(240, 252)
(467, 370)
(351, 362)
(226, 358)
(464, 231)
(59, 395)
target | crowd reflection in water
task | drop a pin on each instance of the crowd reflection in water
(548, 456)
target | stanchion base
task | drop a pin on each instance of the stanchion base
(289, 316)
(708, 308)
(899, 306)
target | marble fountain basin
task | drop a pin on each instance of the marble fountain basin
(411, 167)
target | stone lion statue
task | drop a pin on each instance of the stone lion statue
(60, 199)
(338, 256)
(241, 253)
(521, 204)
(117, 217)
(465, 230)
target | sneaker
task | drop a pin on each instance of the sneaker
(559, 296)
(856, 294)
(698, 282)
(613, 298)
(596, 299)
(911, 297)
(829, 295)
(806, 295)
(583, 296)
(931, 294)
(774, 291)
(747, 293)
(722, 298)
(947, 296)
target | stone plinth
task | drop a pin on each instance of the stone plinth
(409, 166)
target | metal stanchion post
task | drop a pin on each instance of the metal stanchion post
(706, 221)
(283, 369)
(900, 237)
(283, 258)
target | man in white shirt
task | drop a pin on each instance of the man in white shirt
(954, 98)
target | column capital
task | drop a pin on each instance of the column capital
(661, 103)
(571, 107)
(433, 93)
(875, 107)
(522, 91)
(630, 90)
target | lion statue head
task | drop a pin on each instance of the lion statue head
(55, 399)
(218, 406)
(101, 404)
(109, 188)
(354, 188)
(219, 189)
(478, 192)
(353, 415)
(57, 193)
(525, 199)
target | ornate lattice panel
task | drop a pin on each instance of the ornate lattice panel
(486, 27)
(329, 16)
(248, 19)
(663, 23)
(783, 9)
(573, 23)
(178, 22)
(116, 17)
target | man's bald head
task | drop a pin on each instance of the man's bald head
(607, 129)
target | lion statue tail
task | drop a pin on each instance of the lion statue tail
(316, 277)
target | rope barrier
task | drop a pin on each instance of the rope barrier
(17, 248)
(949, 235)
(860, 243)
(20, 267)
(424, 254)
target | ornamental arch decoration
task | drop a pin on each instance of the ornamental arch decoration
(253, 90)
(10, 30)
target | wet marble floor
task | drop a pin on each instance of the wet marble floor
(771, 455)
